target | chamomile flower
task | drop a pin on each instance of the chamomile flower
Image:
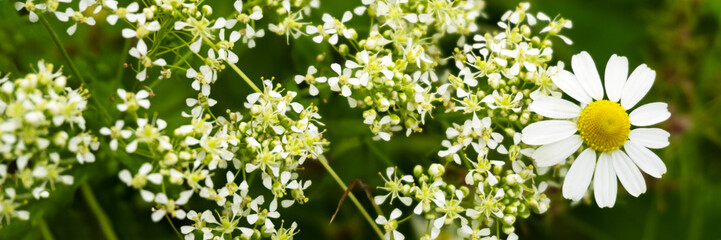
(604, 128)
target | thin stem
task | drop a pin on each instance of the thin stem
(103, 220)
(173, 226)
(387, 161)
(242, 75)
(45, 230)
(352, 197)
(121, 64)
(56, 39)
(321, 158)
(235, 68)
(75, 71)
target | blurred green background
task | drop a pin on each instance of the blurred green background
(677, 38)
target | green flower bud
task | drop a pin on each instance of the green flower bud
(436, 170)
(418, 170)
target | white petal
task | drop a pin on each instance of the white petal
(156, 178)
(125, 176)
(381, 198)
(157, 215)
(615, 78)
(142, 47)
(381, 220)
(568, 83)
(580, 175)
(128, 33)
(555, 107)
(142, 75)
(650, 137)
(628, 173)
(649, 114)
(145, 169)
(71, 29)
(131, 147)
(548, 131)
(345, 91)
(585, 70)
(313, 90)
(554, 153)
(637, 86)
(142, 94)
(604, 182)
(645, 159)
(395, 213)
(147, 195)
(195, 46)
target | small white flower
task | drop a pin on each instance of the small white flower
(128, 13)
(202, 79)
(394, 185)
(225, 50)
(390, 225)
(116, 132)
(251, 34)
(142, 29)
(77, 17)
(133, 101)
(140, 52)
(310, 79)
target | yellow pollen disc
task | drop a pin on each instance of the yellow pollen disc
(604, 125)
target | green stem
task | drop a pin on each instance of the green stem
(56, 39)
(45, 230)
(387, 161)
(103, 220)
(173, 226)
(121, 63)
(235, 68)
(321, 158)
(242, 75)
(75, 71)
(352, 197)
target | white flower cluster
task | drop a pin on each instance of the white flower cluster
(42, 134)
(187, 23)
(498, 75)
(391, 72)
(474, 211)
(273, 141)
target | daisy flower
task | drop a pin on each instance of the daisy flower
(615, 142)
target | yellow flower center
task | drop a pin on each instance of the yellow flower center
(604, 125)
